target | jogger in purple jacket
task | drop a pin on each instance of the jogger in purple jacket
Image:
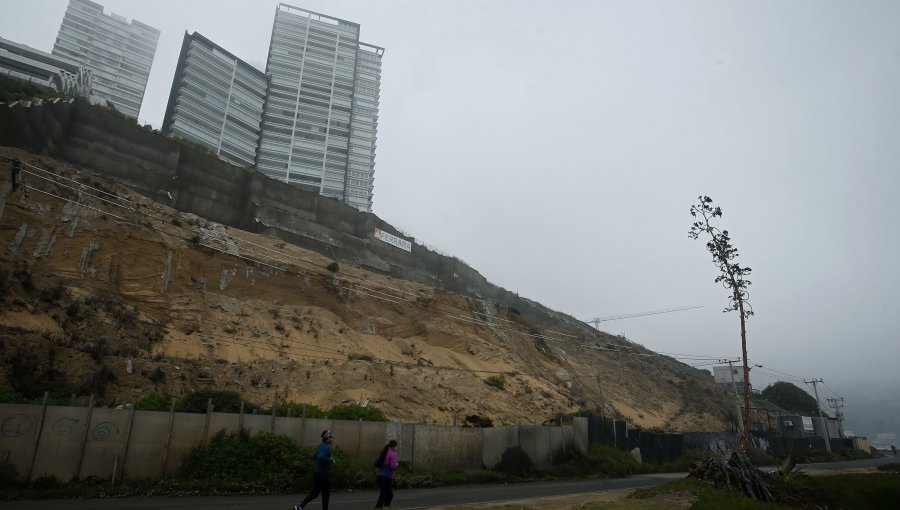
(386, 464)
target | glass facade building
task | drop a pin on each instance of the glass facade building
(320, 120)
(216, 100)
(118, 52)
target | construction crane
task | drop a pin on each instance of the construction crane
(596, 321)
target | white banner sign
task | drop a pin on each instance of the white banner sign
(399, 242)
(807, 424)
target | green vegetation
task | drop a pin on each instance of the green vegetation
(10, 396)
(356, 412)
(497, 381)
(601, 461)
(890, 468)
(707, 497)
(18, 90)
(515, 461)
(223, 401)
(296, 410)
(862, 491)
(154, 402)
(848, 491)
(262, 462)
(333, 267)
(514, 315)
(790, 397)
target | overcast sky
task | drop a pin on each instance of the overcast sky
(557, 147)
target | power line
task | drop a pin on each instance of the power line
(597, 320)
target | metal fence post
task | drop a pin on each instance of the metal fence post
(128, 438)
(37, 438)
(209, 410)
(165, 456)
(87, 428)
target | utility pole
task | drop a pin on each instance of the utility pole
(731, 371)
(737, 401)
(837, 403)
(821, 414)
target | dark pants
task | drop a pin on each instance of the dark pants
(320, 484)
(386, 491)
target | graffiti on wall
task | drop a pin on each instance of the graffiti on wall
(103, 431)
(16, 425)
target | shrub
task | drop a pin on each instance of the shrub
(154, 402)
(333, 267)
(10, 396)
(473, 420)
(296, 409)
(497, 381)
(265, 461)
(223, 402)
(157, 375)
(600, 460)
(54, 293)
(514, 461)
(98, 382)
(355, 412)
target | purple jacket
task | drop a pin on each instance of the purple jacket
(390, 464)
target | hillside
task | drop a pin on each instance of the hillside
(96, 278)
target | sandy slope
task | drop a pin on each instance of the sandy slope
(243, 312)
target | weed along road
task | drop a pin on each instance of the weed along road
(404, 498)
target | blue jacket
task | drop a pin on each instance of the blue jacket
(324, 460)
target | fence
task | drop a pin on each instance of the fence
(68, 442)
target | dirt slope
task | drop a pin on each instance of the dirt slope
(95, 279)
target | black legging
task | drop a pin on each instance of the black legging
(320, 484)
(386, 491)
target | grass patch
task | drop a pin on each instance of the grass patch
(874, 491)
(601, 461)
(890, 468)
(708, 497)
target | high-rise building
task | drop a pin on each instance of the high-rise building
(216, 100)
(320, 119)
(118, 52)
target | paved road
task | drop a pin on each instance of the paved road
(404, 499)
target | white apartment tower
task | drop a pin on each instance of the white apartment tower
(320, 120)
(216, 100)
(118, 52)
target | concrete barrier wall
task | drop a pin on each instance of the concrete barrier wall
(66, 442)
(447, 448)
(189, 180)
(496, 441)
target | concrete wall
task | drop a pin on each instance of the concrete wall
(66, 442)
(101, 142)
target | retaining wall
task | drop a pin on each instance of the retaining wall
(101, 142)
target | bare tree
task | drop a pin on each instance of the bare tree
(732, 277)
